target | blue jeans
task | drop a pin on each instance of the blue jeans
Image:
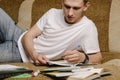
(9, 35)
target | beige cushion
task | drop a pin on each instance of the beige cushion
(114, 27)
(115, 62)
(25, 14)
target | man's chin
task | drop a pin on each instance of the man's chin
(70, 22)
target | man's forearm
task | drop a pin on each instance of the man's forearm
(95, 58)
(28, 45)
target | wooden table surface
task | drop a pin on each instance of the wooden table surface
(112, 68)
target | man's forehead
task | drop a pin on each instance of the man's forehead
(73, 2)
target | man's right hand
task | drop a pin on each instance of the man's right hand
(40, 59)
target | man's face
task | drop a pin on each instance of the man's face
(73, 10)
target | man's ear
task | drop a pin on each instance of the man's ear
(86, 6)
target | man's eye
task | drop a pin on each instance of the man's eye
(68, 7)
(76, 8)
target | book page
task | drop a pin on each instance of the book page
(61, 63)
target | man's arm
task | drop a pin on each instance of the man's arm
(28, 45)
(77, 57)
(95, 57)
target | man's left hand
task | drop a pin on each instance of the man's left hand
(73, 56)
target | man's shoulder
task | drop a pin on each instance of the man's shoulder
(55, 10)
(88, 20)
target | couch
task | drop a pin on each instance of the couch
(26, 12)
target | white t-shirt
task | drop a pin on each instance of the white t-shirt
(58, 36)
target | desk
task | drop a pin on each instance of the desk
(114, 69)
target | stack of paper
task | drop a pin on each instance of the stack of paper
(72, 71)
(81, 75)
(76, 73)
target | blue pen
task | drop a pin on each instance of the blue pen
(77, 47)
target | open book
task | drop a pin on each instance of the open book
(60, 63)
(65, 63)
(8, 70)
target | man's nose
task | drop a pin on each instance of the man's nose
(70, 12)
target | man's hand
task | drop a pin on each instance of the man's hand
(74, 56)
(40, 59)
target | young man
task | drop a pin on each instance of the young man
(62, 33)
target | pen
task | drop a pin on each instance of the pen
(105, 74)
(88, 64)
(102, 75)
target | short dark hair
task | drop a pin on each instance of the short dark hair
(85, 1)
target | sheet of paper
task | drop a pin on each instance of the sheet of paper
(59, 74)
(61, 69)
(84, 74)
(61, 63)
(8, 67)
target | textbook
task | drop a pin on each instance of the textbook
(65, 63)
(7, 70)
(59, 63)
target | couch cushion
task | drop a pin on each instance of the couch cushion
(11, 7)
(110, 55)
(25, 14)
(114, 27)
(99, 13)
(115, 62)
(41, 6)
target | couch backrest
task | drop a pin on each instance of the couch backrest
(114, 27)
(98, 12)
(11, 7)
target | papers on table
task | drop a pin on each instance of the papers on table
(7, 70)
(71, 70)
(61, 69)
(80, 73)
(65, 63)
(85, 74)
(60, 63)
